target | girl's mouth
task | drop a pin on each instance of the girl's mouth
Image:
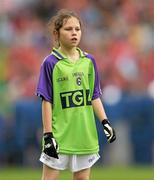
(74, 39)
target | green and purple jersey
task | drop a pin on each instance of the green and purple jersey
(70, 87)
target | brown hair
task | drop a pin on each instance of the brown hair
(57, 21)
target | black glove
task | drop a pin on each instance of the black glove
(50, 145)
(109, 131)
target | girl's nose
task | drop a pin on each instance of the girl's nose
(73, 31)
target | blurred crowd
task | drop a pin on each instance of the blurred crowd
(119, 33)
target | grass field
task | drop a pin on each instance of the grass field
(104, 173)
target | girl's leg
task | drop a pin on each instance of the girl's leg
(82, 175)
(49, 173)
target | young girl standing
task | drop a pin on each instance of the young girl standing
(70, 92)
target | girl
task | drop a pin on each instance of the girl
(70, 92)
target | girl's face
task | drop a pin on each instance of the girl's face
(70, 33)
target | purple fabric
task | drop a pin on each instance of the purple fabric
(97, 90)
(44, 87)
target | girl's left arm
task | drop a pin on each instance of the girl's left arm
(99, 109)
(101, 115)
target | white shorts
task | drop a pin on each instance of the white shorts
(72, 162)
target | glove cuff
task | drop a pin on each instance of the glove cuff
(105, 121)
(48, 135)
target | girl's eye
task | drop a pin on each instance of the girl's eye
(68, 29)
(77, 29)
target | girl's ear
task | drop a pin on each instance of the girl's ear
(56, 38)
(56, 35)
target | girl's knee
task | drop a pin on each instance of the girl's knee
(49, 173)
(82, 175)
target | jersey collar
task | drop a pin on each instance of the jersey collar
(61, 56)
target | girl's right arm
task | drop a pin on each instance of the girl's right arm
(50, 145)
(47, 116)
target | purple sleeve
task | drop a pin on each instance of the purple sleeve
(97, 90)
(45, 86)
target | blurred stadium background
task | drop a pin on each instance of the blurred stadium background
(120, 34)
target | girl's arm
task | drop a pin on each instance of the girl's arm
(101, 115)
(47, 116)
(99, 109)
(50, 145)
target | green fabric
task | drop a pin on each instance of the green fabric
(73, 120)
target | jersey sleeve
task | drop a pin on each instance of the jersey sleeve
(97, 90)
(45, 85)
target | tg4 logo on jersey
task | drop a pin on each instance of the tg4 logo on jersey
(75, 98)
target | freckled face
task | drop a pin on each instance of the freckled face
(70, 33)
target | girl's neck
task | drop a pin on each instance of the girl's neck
(68, 51)
(72, 54)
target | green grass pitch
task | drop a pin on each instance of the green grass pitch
(104, 173)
